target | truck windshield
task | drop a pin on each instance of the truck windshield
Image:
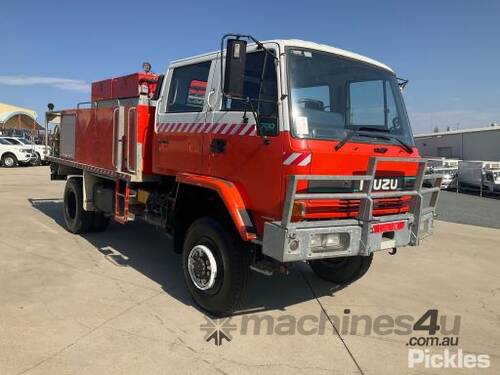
(331, 95)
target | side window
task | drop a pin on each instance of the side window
(188, 87)
(260, 86)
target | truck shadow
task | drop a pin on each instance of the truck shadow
(148, 251)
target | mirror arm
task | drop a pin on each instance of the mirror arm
(238, 36)
(257, 123)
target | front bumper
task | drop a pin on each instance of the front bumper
(288, 241)
(26, 158)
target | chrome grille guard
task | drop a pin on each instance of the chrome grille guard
(366, 196)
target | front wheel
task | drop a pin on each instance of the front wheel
(37, 160)
(343, 270)
(215, 262)
(9, 161)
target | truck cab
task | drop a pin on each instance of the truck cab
(313, 132)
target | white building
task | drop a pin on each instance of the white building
(468, 144)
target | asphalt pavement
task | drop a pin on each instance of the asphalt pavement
(115, 302)
(469, 209)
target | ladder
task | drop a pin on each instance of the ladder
(123, 193)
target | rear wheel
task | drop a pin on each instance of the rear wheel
(216, 265)
(342, 271)
(9, 161)
(77, 220)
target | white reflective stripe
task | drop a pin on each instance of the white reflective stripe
(305, 162)
(194, 127)
(226, 128)
(216, 130)
(186, 128)
(235, 129)
(208, 127)
(202, 127)
(289, 160)
(245, 129)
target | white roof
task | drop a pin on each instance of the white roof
(305, 44)
(451, 132)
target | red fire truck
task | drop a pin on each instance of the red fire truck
(251, 157)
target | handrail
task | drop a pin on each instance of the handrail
(86, 103)
(113, 156)
(130, 110)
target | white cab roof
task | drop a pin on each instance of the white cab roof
(304, 44)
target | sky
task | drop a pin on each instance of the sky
(50, 51)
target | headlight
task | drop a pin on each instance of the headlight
(26, 150)
(329, 241)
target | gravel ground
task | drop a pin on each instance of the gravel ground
(469, 209)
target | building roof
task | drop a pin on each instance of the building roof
(12, 116)
(451, 132)
(305, 44)
(8, 110)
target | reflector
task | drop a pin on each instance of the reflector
(388, 227)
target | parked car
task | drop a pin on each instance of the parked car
(12, 155)
(448, 168)
(40, 151)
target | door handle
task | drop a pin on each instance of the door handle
(218, 146)
(164, 141)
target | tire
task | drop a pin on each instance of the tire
(37, 160)
(100, 222)
(221, 294)
(77, 220)
(342, 271)
(9, 160)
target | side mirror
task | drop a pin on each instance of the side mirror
(236, 53)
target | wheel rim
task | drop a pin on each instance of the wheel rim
(202, 267)
(37, 158)
(9, 161)
(71, 205)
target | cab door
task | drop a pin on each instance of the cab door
(235, 148)
(182, 111)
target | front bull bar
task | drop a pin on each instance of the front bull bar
(356, 233)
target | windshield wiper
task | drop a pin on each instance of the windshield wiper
(403, 144)
(388, 136)
(370, 133)
(346, 139)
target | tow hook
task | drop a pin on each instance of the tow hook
(393, 251)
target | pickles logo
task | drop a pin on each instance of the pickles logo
(218, 330)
